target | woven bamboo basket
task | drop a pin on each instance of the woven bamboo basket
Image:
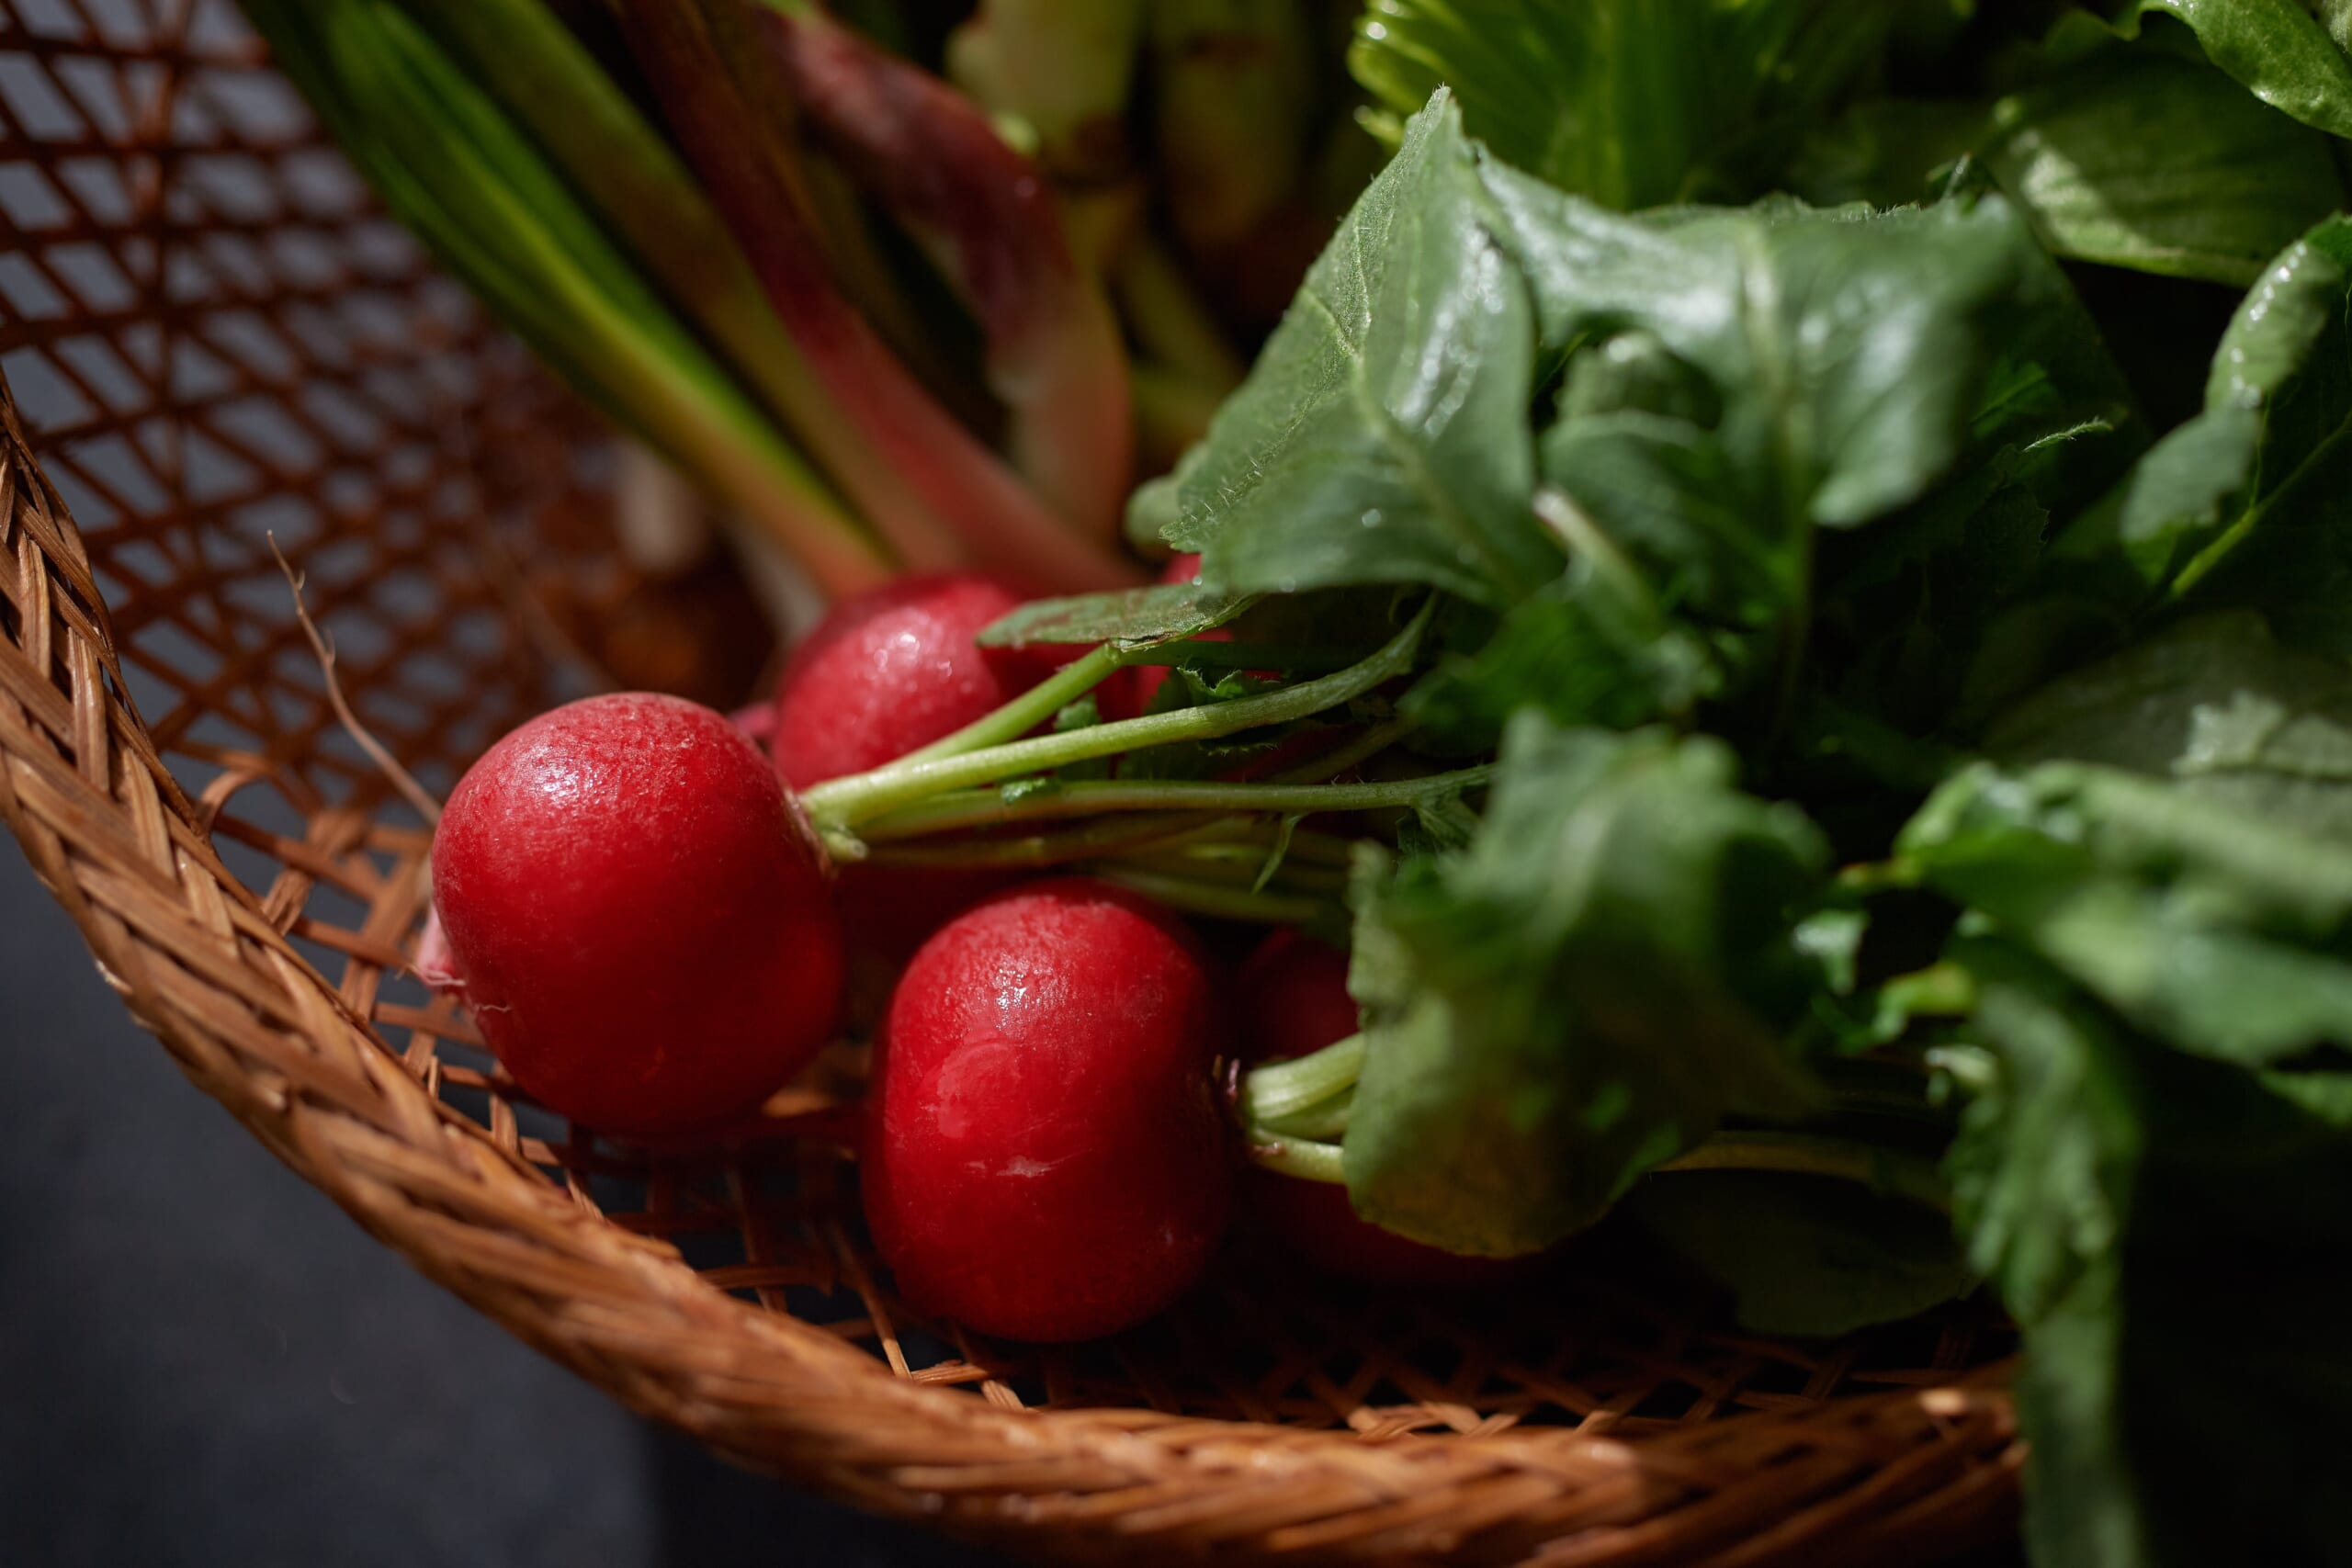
(210, 340)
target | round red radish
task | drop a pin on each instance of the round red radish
(892, 671)
(1047, 1155)
(638, 913)
(1291, 999)
(887, 674)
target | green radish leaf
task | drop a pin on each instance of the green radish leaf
(1884, 152)
(2215, 706)
(1584, 992)
(2226, 932)
(1591, 647)
(1132, 617)
(2141, 159)
(1805, 1255)
(2171, 1232)
(1633, 103)
(1382, 437)
(1732, 389)
(2289, 53)
(2264, 459)
(1826, 400)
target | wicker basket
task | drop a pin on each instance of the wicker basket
(210, 339)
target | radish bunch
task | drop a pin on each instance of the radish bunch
(653, 922)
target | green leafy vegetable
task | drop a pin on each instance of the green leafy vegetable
(2277, 409)
(2215, 706)
(1581, 995)
(2225, 932)
(1382, 437)
(2172, 1235)
(1803, 1253)
(2143, 159)
(1629, 102)
(2289, 54)
(1134, 616)
(1863, 654)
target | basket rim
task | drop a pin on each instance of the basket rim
(112, 834)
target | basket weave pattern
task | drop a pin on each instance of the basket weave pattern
(216, 344)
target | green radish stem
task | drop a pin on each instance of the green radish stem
(1027, 711)
(1897, 1175)
(845, 804)
(1239, 655)
(1218, 900)
(1242, 864)
(1087, 797)
(1306, 1158)
(1141, 833)
(1887, 1170)
(1274, 1096)
(1130, 833)
(1290, 1109)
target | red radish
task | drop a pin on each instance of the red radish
(639, 915)
(887, 674)
(1292, 999)
(1046, 1154)
(892, 671)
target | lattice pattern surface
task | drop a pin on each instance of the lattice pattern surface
(214, 342)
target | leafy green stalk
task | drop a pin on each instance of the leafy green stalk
(693, 60)
(2289, 54)
(1222, 901)
(2172, 1234)
(1606, 972)
(846, 802)
(1631, 103)
(990, 222)
(521, 52)
(471, 183)
(955, 810)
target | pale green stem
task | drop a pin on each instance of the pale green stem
(846, 802)
(1027, 711)
(1306, 1158)
(1804, 1154)
(1091, 797)
(1278, 1090)
(1218, 900)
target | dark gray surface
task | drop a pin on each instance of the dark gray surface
(203, 1363)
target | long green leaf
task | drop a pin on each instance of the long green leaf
(455, 169)
(520, 52)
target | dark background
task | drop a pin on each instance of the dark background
(203, 1363)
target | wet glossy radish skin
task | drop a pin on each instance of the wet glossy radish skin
(1047, 1155)
(892, 671)
(639, 916)
(1291, 999)
(887, 674)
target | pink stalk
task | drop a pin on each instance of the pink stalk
(990, 222)
(959, 479)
